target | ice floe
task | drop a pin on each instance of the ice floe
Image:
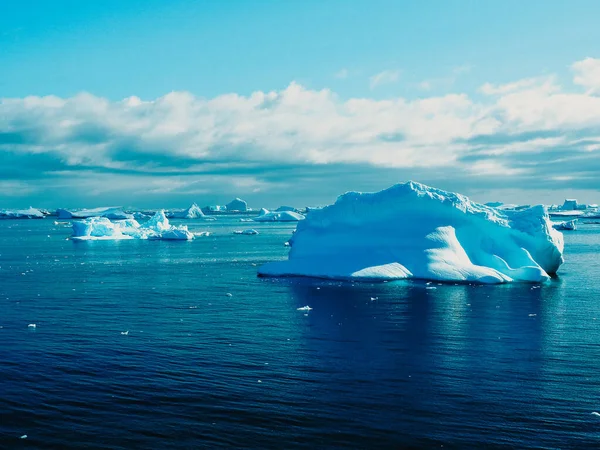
(414, 231)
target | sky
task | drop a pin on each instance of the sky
(162, 103)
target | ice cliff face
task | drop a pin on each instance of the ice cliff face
(414, 231)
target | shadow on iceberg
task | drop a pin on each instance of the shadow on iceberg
(412, 231)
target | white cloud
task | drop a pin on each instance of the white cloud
(385, 77)
(342, 74)
(587, 74)
(180, 134)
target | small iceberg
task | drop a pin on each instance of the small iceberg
(569, 225)
(193, 212)
(274, 216)
(304, 308)
(249, 232)
(413, 231)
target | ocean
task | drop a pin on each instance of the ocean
(179, 345)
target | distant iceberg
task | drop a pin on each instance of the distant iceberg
(237, 205)
(414, 231)
(193, 212)
(286, 208)
(111, 213)
(30, 213)
(274, 216)
(569, 225)
(249, 232)
(101, 228)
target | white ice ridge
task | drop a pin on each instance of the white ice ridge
(30, 213)
(101, 228)
(414, 231)
(274, 216)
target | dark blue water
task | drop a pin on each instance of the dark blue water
(457, 366)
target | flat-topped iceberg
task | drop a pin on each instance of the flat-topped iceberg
(414, 231)
(101, 228)
(30, 213)
(111, 213)
(274, 216)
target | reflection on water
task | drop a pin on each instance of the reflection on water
(216, 357)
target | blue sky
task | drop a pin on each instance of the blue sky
(326, 70)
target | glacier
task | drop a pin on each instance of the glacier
(413, 231)
(101, 228)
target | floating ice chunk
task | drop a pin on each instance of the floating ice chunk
(305, 308)
(30, 213)
(284, 216)
(229, 294)
(447, 238)
(125, 333)
(246, 220)
(597, 414)
(32, 325)
(569, 225)
(24, 436)
(246, 232)
(202, 233)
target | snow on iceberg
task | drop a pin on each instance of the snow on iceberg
(274, 216)
(414, 231)
(31, 213)
(101, 228)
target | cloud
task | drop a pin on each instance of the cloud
(530, 133)
(342, 74)
(587, 74)
(447, 81)
(385, 77)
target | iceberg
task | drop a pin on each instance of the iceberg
(286, 208)
(274, 216)
(569, 225)
(238, 205)
(246, 232)
(101, 228)
(412, 231)
(110, 213)
(30, 213)
(193, 212)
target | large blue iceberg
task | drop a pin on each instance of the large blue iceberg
(414, 231)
